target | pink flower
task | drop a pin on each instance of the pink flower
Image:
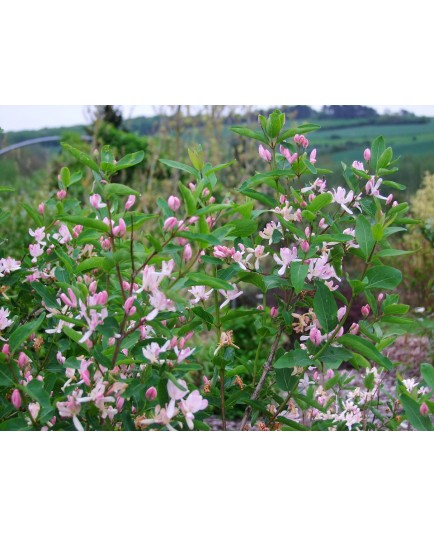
(230, 295)
(120, 229)
(312, 158)
(96, 202)
(170, 223)
(304, 244)
(129, 307)
(274, 311)
(187, 255)
(424, 410)
(130, 202)
(35, 251)
(41, 208)
(264, 154)
(341, 312)
(200, 294)
(389, 199)
(5, 348)
(71, 301)
(194, 403)
(358, 165)
(61, 194)
(63, 236)
(16, 399)
(365, 310)
(287, 154)
(342, 198)
(301, 140)
(39, 235)
(77, 229)
(287, 257)
(174, 392)
(174, 203)
(315, 336)
(367, 154)
(151, 393)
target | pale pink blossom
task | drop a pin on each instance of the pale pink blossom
(191, 405)
(312, 157)
(35, 251)
(16, 399)
(264, 154)
(96, 201)
(151, 393)
(230, 295)
(287, 256)
(367, 154)
(199, 293)
(130, 202)
(342, 198)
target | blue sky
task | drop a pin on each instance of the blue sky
(19, 117)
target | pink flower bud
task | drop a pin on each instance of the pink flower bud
(192, 186)
(95, 200)
(151, 394)
(187, 253)
(77, 230)
(128, 304)
(304, 244)
(22, 360)
(329, 374)
(193, 220)
(424, 410)
(170, 223)
(312, 158)
(315, 336)
(282, 199)
(354, 329)
(61, 194)
(274, 311)
(211, 200)
(41, 208)
(106, 244)
(311, 197)
(174, 203)
(205, 192)
(260, 308)
(264, 154)
(120, 229)
(367, 154)
(6, 350)
(16, 398)
(395, 204)
(130, 202)
(307, 232)
(389, 199)
(365, 310)
(380, 297)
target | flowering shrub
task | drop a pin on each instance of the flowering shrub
(115, 319)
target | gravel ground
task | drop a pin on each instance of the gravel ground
(407, 351)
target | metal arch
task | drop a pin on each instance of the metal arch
(34, 141)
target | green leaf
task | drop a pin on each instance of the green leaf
(65, 177)
(291, 132)
(95, 262)
(181, 166)
(6, 189)
(298, 275)
(377, 149)
(392, 252)
(118, 189)
(285, 380)
(427, 372)
(395, 185)
(46, 294)
(189, 200)
(294, 358)
(15, 425)
(248, 133)
(366, 349)
(265, 199)
(207, 280)
(201, 313)
(364, 235)
(75, 336)
(385, 158)
(81, 157)
(320, 201)
(412, 411)
(243, 228)
(218, 168)
(210, 209)
(22, 333)
(383, 277)
(130, 160)
(325, 307)
(396, 309)
(36, 217)
(88, 223)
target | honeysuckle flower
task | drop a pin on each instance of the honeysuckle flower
(365, 310)
(287, 154)
(410, 384)
(351, 415)
(120, 229)
(264, 154)
(96, 201)
(8, 265)
(36, 250)
(130, 202)
(170, 224)
(389, 199)
(39, 235)
(319, 184)
(61, 194)
(223, 252)
(174, 203)
(226, 340)
(70, 301)
(423, 390)
(287, 256)
(183, 354)
(152, 351)
(321, 269)
(315, 336)
(424, 410)
(63, 236)
(200, 294)
(230, 295)
(287, 212)
(372, 187)
(191, 405)
(256, 253)
(71, 408)
(187, 253)
(367, 154)
(341, 312)
(267, 232)
(358, 165)
(150, 279)
(312, 157)
(301, 140)
(342, 198)
(41, 208)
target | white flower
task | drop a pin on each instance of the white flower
(410, 384)
(230, 295)
(200, 294)
(342, 198)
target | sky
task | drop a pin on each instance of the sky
(32, 117)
